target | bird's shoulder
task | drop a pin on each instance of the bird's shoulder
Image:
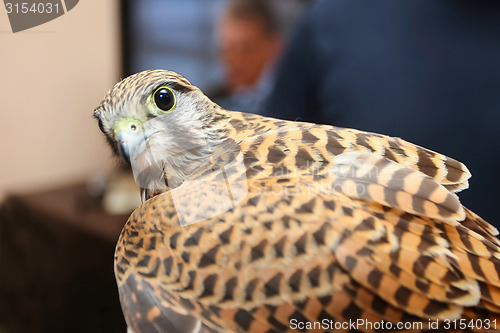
(274, 143)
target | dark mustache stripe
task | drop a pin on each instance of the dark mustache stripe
(176, 85)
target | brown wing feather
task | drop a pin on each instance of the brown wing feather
(148, 311)
(318, 144)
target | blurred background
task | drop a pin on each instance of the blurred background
(423, 70)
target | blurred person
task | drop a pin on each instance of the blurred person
(250, 40)
(424, 70)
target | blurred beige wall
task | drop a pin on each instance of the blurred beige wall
(51, 78)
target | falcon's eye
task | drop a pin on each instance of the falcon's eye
(164, 99)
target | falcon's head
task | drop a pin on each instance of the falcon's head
(156, 120)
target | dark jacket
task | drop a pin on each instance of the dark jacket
(424, 70)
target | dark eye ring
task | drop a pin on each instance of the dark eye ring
(164, 99)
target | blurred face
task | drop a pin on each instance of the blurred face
(246, 49)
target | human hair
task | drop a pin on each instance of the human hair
(254, 10)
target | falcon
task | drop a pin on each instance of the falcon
(254, 224)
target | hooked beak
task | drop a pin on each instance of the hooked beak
(130, 138)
